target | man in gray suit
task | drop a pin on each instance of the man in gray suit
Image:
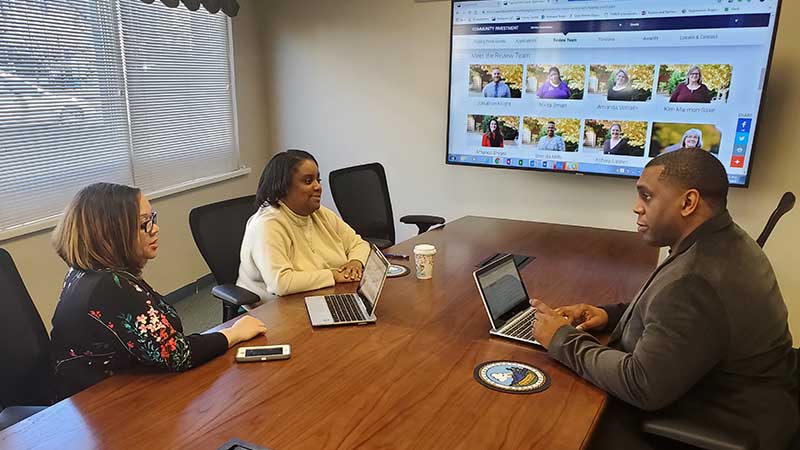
(706, 339)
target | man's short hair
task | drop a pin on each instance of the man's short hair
(549, 122)
(694, 168)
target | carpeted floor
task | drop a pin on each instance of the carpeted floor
(199, 312)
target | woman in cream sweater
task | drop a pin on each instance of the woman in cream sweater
(292, 243)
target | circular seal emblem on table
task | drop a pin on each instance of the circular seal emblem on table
(511, 377)
(396, 270)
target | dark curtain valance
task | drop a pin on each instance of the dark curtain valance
(229, 7)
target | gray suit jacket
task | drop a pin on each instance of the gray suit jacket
(706, 337)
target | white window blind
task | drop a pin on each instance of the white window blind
(179, 90)
(62, 106)
(119, 91)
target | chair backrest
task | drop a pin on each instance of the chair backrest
(25, 378)
(218, 230)
(785, 205)
(362, 198)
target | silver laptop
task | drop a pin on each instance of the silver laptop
(359, 308)
(506, 300)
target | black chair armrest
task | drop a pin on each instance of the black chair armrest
(694, 433)
(234, 295)
(423, 223)
(380, 243)
(14, 414)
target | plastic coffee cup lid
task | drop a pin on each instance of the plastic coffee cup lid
(424, 249)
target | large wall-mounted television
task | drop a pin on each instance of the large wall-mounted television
(603, 86)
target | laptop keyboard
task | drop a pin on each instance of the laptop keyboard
(522, 328)
(344, 307)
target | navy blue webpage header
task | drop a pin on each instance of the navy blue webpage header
(615, 25)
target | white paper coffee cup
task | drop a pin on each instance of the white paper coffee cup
(423, 259)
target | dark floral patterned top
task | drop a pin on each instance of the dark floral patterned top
(110, 321)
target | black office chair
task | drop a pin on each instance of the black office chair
(26, 376)
(692, 433)
(361, 195)
(695, 434)
(218, 230)
(785, 205)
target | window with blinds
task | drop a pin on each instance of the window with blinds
(118, 91)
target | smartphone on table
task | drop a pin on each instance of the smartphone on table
(263, 353)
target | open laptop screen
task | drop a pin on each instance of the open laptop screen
(503, 290)
(373, 278)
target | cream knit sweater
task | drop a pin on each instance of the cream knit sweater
(283, 253)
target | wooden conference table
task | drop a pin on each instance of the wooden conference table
(405, 382)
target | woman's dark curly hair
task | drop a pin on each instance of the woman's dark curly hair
(277, 176)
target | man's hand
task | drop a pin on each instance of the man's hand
(350, 271)
(546, 322)
(584, 317)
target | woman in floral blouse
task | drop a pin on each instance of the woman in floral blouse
(108, 318)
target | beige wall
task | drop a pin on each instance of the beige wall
(179, 262)
(357, 81)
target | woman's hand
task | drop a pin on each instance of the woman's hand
(350, 271)
(244, 329)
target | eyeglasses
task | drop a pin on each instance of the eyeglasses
(147, 225)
